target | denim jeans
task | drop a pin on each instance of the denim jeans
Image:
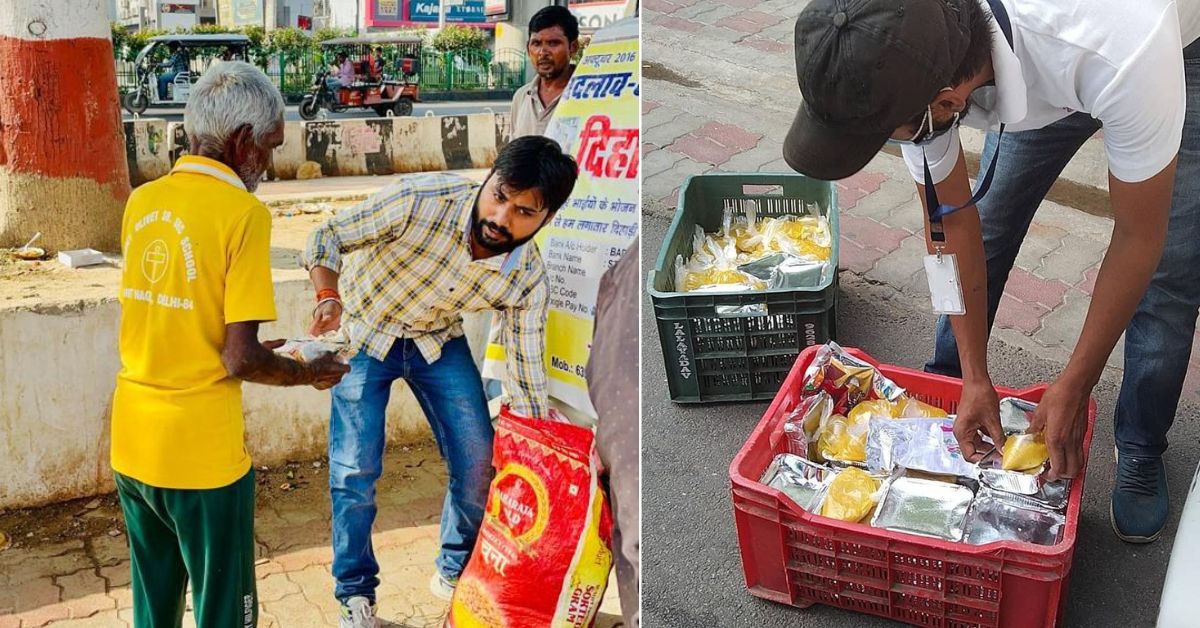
(451, 394)
(1158, 340)
(164, 80)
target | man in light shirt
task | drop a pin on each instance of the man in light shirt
(1051, 73)
(553, 41)
(433, 247)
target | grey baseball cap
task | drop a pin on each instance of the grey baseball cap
(866, 68)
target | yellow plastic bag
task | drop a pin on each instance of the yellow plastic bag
(714, 277)
(1024, 451)
(851, 495)
(908, 407)
(804, 236)
(844, 439)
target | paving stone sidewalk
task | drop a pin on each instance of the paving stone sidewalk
(83, 581)
(720, 93)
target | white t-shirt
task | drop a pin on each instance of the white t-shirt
(1117, 60)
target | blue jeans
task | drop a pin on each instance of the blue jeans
(451, 394)
(1158, 340)
(163, 81)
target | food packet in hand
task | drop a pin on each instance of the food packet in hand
(851, 495)
(309, 349)
(1024, 451)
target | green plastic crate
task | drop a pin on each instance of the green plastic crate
(739, 346)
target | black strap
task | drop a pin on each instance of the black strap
(936, 209)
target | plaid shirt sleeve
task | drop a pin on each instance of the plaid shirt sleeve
(525, 329)
(381, 218)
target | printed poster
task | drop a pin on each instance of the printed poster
(597, 122)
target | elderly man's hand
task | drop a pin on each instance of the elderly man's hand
(327, 371)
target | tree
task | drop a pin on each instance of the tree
(62, 159)
(456, 38)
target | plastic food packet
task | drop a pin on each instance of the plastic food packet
(802, 236)
(803, 423)
(801, 480)
(719, 275)
(1024, 451)
(309, 349)
(847, 379)
(851, 495)
(744, 233)
(927, 444)
(910, 408)
(841, 440)
(1015, 414)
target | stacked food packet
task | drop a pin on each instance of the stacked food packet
(860, 448)
(749, 253)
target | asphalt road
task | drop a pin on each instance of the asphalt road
(449, 108)
(692, 573)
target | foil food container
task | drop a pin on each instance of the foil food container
(1024, 487)
(1015, 414)
(784, 271)
(924, 507)
(925, 444)
(997, 516)
(803, 481)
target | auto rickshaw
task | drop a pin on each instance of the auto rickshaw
(385, 70)
(169, 82)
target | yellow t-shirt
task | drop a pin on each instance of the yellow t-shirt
(197, 251)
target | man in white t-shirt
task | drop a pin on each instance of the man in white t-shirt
(1050, 73)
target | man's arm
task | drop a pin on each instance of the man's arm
(979, 407)
(526, 351)
(381, 218)
(1141, 212)
(248, 360)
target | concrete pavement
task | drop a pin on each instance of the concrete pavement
(720, 94)
(68, 565)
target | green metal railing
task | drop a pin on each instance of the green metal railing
(437, 72)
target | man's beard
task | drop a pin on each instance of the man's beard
(552, 73)
(250, 176)
(507, 245)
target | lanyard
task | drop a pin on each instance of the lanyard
(936, 209)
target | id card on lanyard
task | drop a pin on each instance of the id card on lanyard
(941, 269)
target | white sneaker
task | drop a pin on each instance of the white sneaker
(441, 586)
(358, 612)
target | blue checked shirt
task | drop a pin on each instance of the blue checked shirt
(409, 274)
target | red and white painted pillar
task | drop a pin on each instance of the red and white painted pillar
(63, 169)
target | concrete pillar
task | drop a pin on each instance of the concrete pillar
(62, 160)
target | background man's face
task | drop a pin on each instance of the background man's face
(551, 52)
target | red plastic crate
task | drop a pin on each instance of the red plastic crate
(798, 558)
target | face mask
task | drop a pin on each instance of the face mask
(926, 133)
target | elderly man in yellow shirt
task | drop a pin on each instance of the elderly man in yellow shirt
(196, 285)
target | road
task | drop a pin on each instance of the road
(450, 108)
(692, 571)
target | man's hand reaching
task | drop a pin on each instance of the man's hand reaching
(978, 414)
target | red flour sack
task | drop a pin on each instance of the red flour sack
(545, 547)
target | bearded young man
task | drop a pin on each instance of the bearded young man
(433, 246)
